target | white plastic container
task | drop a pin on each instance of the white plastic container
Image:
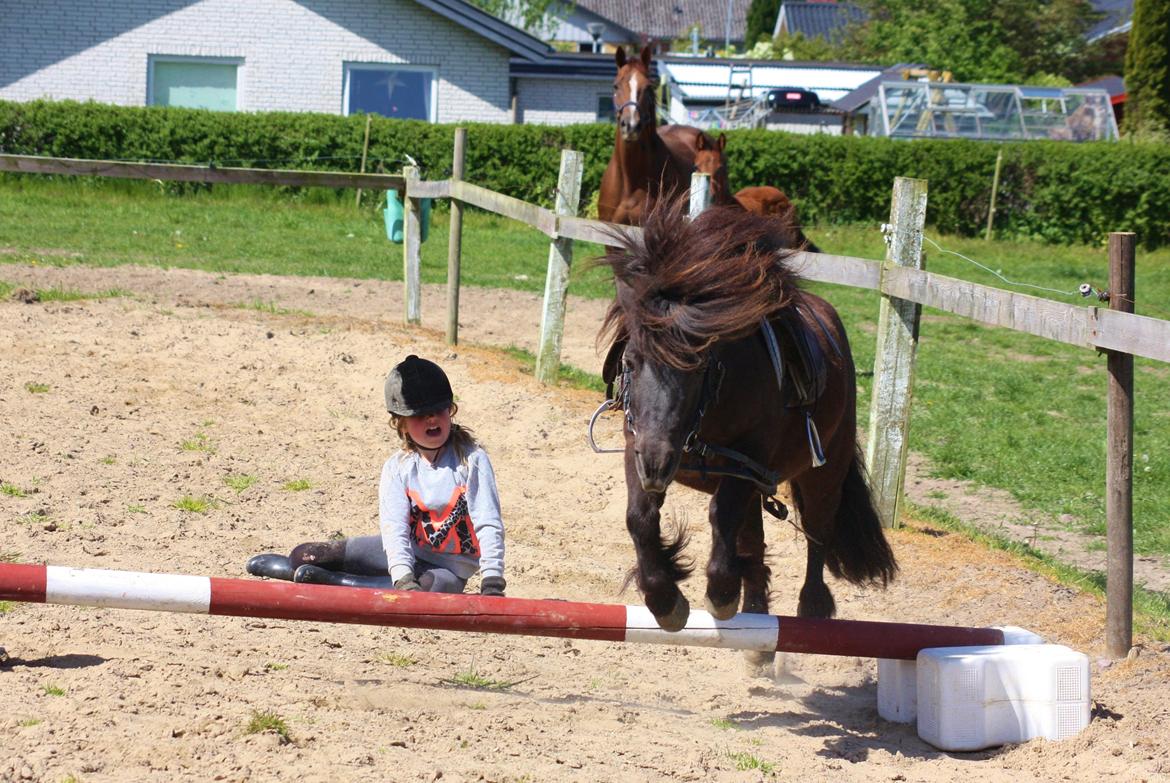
(897, 688)
(970, 698)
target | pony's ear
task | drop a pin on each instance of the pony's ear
(701, 142)
(722, 142)
(646, 53)
(619, 57)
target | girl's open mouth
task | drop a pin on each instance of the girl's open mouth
(433, 432)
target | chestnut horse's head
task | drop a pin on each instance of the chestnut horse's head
(633, 94)
(710, 160)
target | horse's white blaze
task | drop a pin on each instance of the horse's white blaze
(127, 589)
(633, 93)
(742, 632)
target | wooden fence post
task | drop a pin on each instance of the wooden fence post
(455, 241)
(411, 248)
(1119, 461)
(893, 368)
(700, 194)
(357, 202)
(994, 192)
(556, 281)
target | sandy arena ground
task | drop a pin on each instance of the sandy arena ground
(99, 398)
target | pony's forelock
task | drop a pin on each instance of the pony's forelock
(688, 284)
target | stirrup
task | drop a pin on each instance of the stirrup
(316, 575)
(775, 507)
(271, 565)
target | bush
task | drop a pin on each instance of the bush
(1057, 192)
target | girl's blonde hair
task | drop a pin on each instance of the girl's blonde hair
(462, 439)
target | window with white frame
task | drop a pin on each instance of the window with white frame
(400, 91)
(194, 82)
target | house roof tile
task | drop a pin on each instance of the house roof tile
(817, 19)
(1118, 18)
(672, 18)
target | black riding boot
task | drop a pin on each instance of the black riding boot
(315, 575)
(327, 554)
(272, 566)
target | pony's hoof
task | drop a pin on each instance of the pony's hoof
(724, 612)
(676, 620)
(272, 566)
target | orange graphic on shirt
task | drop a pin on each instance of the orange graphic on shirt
(447, 530)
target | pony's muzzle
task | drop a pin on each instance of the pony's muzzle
(656, 468)
(630, 123)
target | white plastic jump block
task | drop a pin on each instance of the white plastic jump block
(970, 698)
(897, 690)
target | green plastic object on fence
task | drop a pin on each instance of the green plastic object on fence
(394, 217)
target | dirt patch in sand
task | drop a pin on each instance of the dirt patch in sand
(114, 410)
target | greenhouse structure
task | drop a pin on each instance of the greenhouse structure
(913, 110)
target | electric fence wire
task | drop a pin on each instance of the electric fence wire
(1084, 290)
(1081, 291)
(253, 162)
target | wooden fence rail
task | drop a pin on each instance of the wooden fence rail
(175, 172)
(1086, 327)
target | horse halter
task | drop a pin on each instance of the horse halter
(618, 113)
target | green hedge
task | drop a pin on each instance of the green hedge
(1057, 192)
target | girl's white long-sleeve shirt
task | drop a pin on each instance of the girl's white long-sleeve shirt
(445, 513)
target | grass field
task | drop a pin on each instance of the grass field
(992, 406)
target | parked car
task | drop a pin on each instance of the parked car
(788, 98)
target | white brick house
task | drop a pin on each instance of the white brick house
(439, 60)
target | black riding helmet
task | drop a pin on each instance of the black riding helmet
(416, 387)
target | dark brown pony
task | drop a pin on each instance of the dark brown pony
(704, 407)
(648, 160)
(711, 160)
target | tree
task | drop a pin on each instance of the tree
(535, 16)
(1147, 70)
(977, 40)
(761, 21)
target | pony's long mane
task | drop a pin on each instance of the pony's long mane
(688, 284)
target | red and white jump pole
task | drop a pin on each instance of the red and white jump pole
(445, 612)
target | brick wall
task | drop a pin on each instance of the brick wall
(560, 101)
(293, 54)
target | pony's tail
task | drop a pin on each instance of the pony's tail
(859, 552)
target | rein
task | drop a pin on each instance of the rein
(743, 466)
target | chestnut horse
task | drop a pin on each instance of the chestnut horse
(710, 159)
(698, 367)
(648, 161)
